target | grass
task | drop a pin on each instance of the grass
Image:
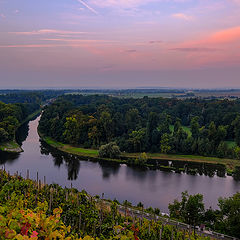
(11, 146)
(70, 149)
(229, 163)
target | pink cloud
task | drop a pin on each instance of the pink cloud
(220, 47)
(182, 16)
(225, 36)
(48, 31)
(80, 40)
(125, 3)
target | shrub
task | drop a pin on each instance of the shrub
(110, 150)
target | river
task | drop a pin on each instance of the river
(152, 187)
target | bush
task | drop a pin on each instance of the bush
(142, 159)
(110, 150)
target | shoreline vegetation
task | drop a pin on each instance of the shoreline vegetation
(92, 154)
(31, 209)
(13, 146)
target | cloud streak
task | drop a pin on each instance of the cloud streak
(194, 49)
(48, 31)
(88, 7)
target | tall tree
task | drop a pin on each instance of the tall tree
(195, 127)
(230, 210)
(236, 124)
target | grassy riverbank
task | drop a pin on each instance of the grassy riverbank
(13, 146)
(230, 164)
(70, 149)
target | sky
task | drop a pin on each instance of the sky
(119, 43)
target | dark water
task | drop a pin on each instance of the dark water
(152, 187)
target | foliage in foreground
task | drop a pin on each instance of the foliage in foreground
(191, 210)
(31, 211)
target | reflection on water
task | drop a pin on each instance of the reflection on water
(71, 162)
(152, 187)
(109, 169)
(22, 133)
(8, 158)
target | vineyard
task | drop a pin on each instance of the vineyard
(32, 210)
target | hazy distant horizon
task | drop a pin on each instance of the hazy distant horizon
(119, 89)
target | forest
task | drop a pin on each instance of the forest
(165, 125)
(11, 116)
(29, 96)
(34, 210)
(17, 105)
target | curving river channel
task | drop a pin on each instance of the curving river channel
(152, 187)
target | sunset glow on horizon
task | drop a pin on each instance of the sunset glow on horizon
(120, 43)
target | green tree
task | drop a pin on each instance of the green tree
(71, 132)
(236, 124)
(222, 150)
(236, 151)
(190, 209)
(110, 150)
(195, 127)
(212, 132)
(3, 135)
(221, 134)
(179, 138)
(177, 125)
(165, 143)
(136, 138)
(230, 211)
(132, 119)
(142, 159)
(152, 124)
(106, 124)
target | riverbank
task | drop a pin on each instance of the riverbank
(13, 146)
(230, 164)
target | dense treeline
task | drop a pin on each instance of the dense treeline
(31, 96)
(32, 210)
(146, 124)
(11, 116)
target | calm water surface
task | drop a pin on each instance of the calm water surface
(152, 187)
